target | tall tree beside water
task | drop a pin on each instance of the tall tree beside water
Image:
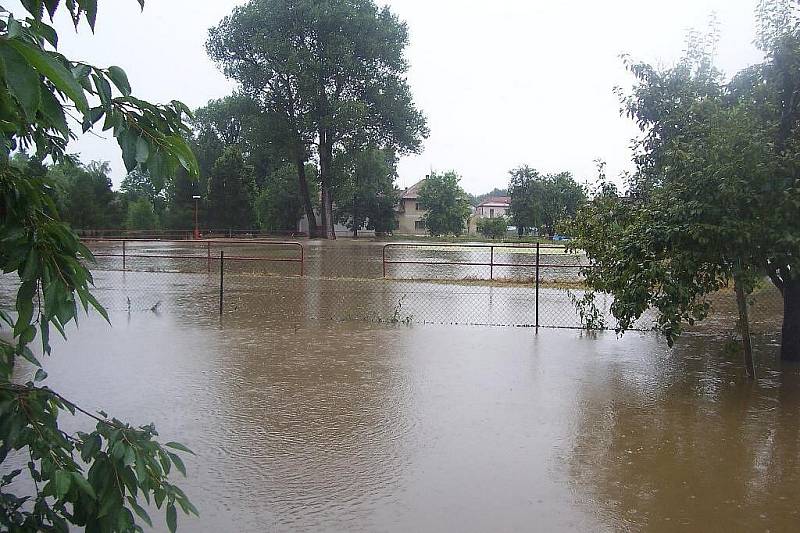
(716, 196)
(330, 73)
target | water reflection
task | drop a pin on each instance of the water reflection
(690, 443)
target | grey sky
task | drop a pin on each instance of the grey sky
(502, 83)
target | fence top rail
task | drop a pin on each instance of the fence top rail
(531, 246)
(220, 242)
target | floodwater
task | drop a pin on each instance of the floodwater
(344, 403)
(352, 426)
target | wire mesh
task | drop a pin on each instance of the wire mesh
(502, 285)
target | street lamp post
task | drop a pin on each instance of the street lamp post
(196, 227)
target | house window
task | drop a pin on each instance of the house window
(417, 207)
(419, 225)
(491, 213)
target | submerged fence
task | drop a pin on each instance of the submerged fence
(500, 284)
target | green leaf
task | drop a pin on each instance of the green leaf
(127, 142)
(54, 112)
(62, 481)
(178, 462)
(172, 517)
(142, 150)
(51, 68)
(179, 446)
(120, 80)
(141, 513)
(84, 485)
(103, 89)
(40, 375)
(23, 81)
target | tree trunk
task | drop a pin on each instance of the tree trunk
(790, 334)
(325, 163)
(744, 329)
(306, 198)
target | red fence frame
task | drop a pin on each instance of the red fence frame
(207, 245)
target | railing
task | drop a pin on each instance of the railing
(491, 263)
(188, 234)
(206, 245)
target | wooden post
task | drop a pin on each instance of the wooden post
(123, 256)
(208, 257)
(744, 328)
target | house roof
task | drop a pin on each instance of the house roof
(413, 191)
(496, 201)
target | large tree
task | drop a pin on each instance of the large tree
(330, 73)
(446, 203)
(279, 205)
(84, 194)
(365, 194)
(716, 195)
(87, 479)
(543, 201)
(230, 192)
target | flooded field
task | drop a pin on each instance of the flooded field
(331, 403)
(360, 427)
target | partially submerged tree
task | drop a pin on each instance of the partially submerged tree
(91, 479)
(446, 204)
(716, 195)
(330, 74)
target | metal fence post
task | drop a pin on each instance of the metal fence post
(221, 278)
(208, 255)
(302, 260)
(383, 260)
(491, 263)
(537, 285)
(123, 256)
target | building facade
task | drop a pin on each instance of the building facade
(409, 212)
(497, 206)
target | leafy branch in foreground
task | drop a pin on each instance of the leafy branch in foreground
(93, 479)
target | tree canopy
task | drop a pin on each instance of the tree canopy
(716, 194)
(329, 74)
(543, 201)
(446, 203)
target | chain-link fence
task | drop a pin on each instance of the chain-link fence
(502, 284)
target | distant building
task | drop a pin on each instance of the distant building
(409, 212)
(496, 206)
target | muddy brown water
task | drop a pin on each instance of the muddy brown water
(304, 420)
(321, 426)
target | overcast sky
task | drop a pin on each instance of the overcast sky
(503, 83)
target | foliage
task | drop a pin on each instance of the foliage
(141, 215)
(83, 195)
(230, 192)
(715, 196)
(366, 195)
(93, 479)
(330, 75)
(476, 200)
(543, 201)
(279, 206)
(446, 204)
(237, 120)
(493, 228)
